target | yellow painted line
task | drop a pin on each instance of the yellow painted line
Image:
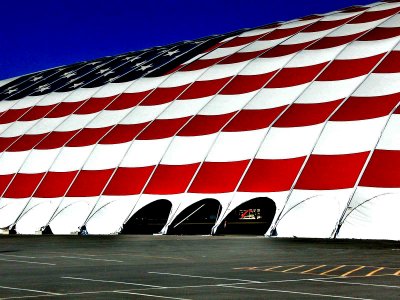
(397, 273)
(375, 271)
(318, 267)
(352, 271)
(331, 270)
(246, 268)
(290, 269)
(269, 269)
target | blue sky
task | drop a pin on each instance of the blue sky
(41, 34)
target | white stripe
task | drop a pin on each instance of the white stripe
(145, 84)
(276, 97)
(182, 78)
(379, 84)
(223, 71)
(71, 158)
(235, 146)
(307, 58)
(347, 137)
(76, 122)
(145, 153)
(362, 49)
(284, 143)
(46, 125)
(112, 89)
(108, 118)
(340, 16)
(384, 6)
(326, 91)
(264, 65)
(25, 102)
(262, 45)
(391, 136)
(11, 161)
(39, 161)
(221, 52)
(142, 114)
(83, 94)
(223, 104)
(184, 108)
(6, 105)
(350, 29)
(106, 156)
(255, 32)
(188, 150)
(393, 22)
(303, 37)
(293, 24)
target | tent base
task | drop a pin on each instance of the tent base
(4, 231)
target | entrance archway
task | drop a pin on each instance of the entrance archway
(252, 217)
(148, 220)
(198, 218)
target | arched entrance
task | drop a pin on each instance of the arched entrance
(252, 217)
(150, 219)
(198, 218)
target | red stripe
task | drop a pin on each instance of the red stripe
(4, 182)
(164, 95)
(64, 109)
(201, 64)
(390, 64)
(362, 108)
(295, 76)
(55, 184)
(12, 115)
(160, 129)
(89, 183)
(329, 172)
(370, 16)
(23, 185)
(37, 112)
(26, 142)
(248, 119)
(325, 25)
(218, 177)
(55, 139)
(271, 175)
(238, 41)
(246, 83)
(94, 105)
(202, 125)
(88, 136)
(300, 114)
(5, 142)
(206, 88)
(128, 100)
(169, 179)
(381, 33)
(128, 181)
(383, 170)
(241, 56)
(349, 68)
(122, 133)
(333, 41)
(283, 50)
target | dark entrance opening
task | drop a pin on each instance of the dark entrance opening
(252, 217)
(198, 218)
(148, 220)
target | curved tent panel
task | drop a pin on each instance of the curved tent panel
(303, 112)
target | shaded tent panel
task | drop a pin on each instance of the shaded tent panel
(198, 218)
(252, 217)
(377, 218)
(36, 216)
(10, 209)
(71, 216)
(149, 219)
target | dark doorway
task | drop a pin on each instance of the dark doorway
(252, 217)
(148, 220)
(198, 218)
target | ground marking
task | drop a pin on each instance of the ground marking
(27, 262)
(293, 268)
(294, 292)
(148, 295)
(375, 271)
(355, 283)
(21, 256)
(28, 290)
(352, 271)
(312, 269)
(269, 269)
(111, 281)
(333, 269)
(205, 277)
(88, 258)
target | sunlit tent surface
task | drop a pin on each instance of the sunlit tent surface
(301, 118)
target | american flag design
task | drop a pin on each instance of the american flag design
(305, 113)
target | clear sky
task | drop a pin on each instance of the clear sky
(41, 34)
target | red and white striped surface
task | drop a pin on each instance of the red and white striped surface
(302, 112)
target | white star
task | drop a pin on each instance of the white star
(109, 72)
(69, 74)
(131, 59)
(145, 67)
(43, 87)
(103, 71)
(138, 65)
(36, 78)
(76, 84)
(170, 53)
(94, 63)
(11, 90)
